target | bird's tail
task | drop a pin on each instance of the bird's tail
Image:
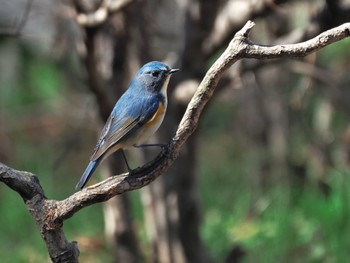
(90, 169)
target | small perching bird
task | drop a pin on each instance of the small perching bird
(135, 117)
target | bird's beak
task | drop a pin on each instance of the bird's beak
(173, 71)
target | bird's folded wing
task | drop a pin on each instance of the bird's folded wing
(118, 127)
(112, 134)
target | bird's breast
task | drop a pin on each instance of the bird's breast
(150, 127)
(157, 117)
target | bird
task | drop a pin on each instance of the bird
(135, 117)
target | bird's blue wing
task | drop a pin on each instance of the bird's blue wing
(128, 114)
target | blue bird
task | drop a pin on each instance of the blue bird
(135, 117)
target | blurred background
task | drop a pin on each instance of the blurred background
(265, 177)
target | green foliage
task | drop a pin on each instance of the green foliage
(281, 223)
(312, 230)
(46, 79)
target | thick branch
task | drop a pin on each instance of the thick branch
(42, 211)
(25, 184)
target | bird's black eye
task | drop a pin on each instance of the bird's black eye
(155, 73)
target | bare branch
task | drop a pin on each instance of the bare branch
(228, 22)
(300, 49)
(42, 211)
(25, 184)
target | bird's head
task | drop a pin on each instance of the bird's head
(155, 75)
